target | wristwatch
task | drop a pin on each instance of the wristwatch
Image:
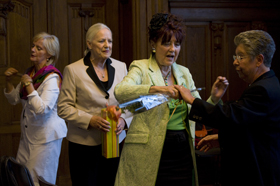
(27, 83)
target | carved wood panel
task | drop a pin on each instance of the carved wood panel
(15, 51)
(195, 54)
(143, 10)
(81, 17)
(226, 20)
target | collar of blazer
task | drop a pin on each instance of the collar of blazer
(265, 75)
(155, 73)
(91, 72)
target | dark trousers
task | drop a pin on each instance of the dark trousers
(89, 168)
(176, 164)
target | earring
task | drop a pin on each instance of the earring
(153, 50)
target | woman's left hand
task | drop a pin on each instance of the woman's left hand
(25, 78)
(219, 88)
(120, 126)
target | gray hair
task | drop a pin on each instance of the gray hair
(51, 43)
(257, 42)
(92, 31)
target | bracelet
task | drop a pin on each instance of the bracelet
(27, 83)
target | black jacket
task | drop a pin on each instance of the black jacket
(249, 133)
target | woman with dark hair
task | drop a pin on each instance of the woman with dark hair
(159, 147)
(42, 130)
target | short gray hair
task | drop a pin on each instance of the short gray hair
(92, 31)
(51, 43)
(257, 42)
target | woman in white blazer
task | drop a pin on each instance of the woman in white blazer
(87, 87)
(42, 130)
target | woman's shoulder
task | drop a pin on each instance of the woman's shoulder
(182, 68)
(116, 61)
(76, 63)
(140, 63)
(118, 64)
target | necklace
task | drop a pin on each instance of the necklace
(166, 77)
(102, 74)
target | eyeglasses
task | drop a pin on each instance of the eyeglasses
(239, 58)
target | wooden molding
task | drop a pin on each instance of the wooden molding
(258, 25)
(4, 9)
(217, 29)
(9, 129)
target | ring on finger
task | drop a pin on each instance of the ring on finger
(100, 127)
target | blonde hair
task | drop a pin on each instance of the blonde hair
(92, 31)
(51, 43)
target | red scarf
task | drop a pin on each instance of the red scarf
(38, 78)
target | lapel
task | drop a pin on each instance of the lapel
(154, 72)
(178, 75)
(265, 76)
(92, 74)
(156, 77)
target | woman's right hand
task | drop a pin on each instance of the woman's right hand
(208, 142)
(168, 90)
(10, 72)
(99, 123)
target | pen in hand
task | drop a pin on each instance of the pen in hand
(19, 74)
(198, 89)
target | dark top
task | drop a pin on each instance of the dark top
(249, 133)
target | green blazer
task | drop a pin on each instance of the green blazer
(142, 150)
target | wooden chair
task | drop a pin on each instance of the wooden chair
(16, 174)
(43, 182)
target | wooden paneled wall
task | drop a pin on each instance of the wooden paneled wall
(211, 28)
(207, 51)
(69, 21)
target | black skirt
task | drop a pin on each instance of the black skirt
(176, 165)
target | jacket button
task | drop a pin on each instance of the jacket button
(25, 126)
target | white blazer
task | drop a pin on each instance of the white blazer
(39, 120)
(82, 96)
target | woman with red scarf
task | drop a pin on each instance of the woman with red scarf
(42, 130)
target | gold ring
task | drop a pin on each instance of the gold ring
(100, 126)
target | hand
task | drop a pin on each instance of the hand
(219, 88)
(120, 126)
(185, 94)
(208, 142)
(25, 78)
(10, 72)
(99, 123)
(172, 92)
(168, 90)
